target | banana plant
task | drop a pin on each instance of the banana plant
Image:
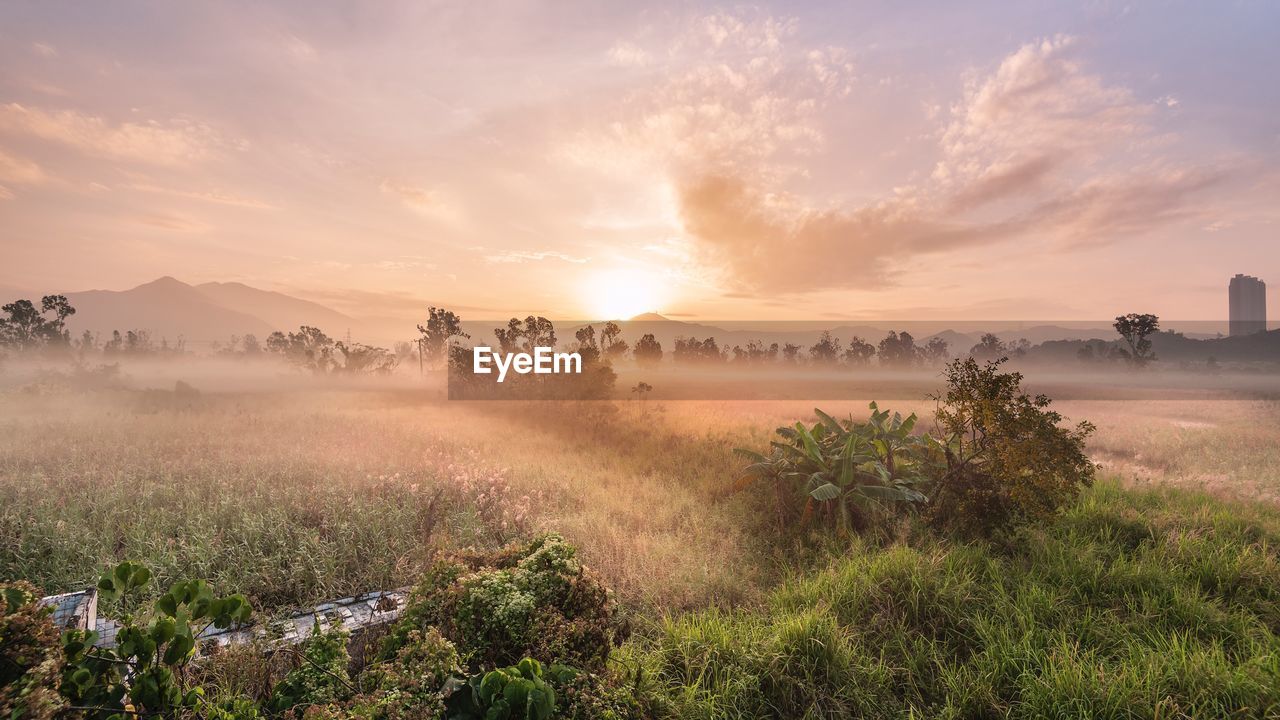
(846, 470)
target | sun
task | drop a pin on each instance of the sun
(621, 293)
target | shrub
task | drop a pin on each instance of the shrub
(1002, 459)
(30, 656)
(533, 600)
(322, 677)
(847, 474)
(1008, 458)
(412, 685)
(144, 671)
(518, 692)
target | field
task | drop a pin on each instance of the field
(1160, 584)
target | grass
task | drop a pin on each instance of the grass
(1156, 595)
(1136, 604)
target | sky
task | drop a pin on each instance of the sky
(795, 160)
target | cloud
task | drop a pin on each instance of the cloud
(44, 50)
(1037, 148)
(176, 142)
(210, 196)
(520, 256)
(19, 171)
(1038, 111)
(776, 244)
(626, 54)
(423, 201)
(170, 221)
(5, 193)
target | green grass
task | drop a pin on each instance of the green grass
(1133, 605)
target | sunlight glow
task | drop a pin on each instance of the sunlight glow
(622, 293)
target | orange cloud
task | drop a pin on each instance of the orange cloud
(173, 143)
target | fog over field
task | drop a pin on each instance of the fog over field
(674, 360)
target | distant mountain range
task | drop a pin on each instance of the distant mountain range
(199, 314)
(213, 312)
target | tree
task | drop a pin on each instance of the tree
(27, 328)
(791, 353)
(1136, 329)
(989, 348)
(693, 350)
(535, 331)
(610, 344)
(359, 359)
(826, 351)
(898, 350)
(309, 348)
(442, 326)
(936, 351)
(648, 350)
(859, 352)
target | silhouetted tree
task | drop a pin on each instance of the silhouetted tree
(533, 332)
(442, 326)
(935, 352)
(826, 351)
(898, 350)
(693, 350)
(610, 343)
(27, 328)
(859, 352)
(791, 353)
(1136, 329)
(648, 350)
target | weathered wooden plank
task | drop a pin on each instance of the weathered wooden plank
(79, 610)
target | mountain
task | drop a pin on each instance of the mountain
(280, 311)
(166, 308)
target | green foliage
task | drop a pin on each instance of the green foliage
(533, 600)
(1129, 605)
(1002, 459)
(1008, 458)
(846, 474)
(144, 670)
(30, 656)
(321, 677)
(518, 692)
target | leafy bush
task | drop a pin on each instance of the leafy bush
(1002, 458)
(518, 692)
(412, 685)
(533, 600)
(844, 472)
(30, 656)
(144, 670)
(321, 678)
(1008, 458)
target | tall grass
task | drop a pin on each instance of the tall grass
(1133, 605)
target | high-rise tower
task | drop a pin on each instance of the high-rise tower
(1248, 305)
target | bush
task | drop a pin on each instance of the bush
(533, 600)
(1008, 458)
(1001, 459)
(847, 474)
(321, 678)
(30, 656)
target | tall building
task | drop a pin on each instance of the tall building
(1248, 305)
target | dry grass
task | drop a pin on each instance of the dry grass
(299, 495)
